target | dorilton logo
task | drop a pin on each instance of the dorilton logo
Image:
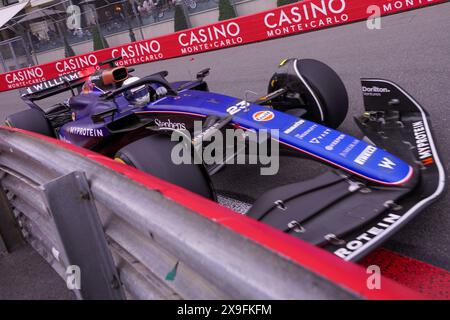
(170, 125)
(423, 143)
(375, 89)
(367, 236)
(365, 155)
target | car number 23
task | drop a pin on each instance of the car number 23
(238, 107)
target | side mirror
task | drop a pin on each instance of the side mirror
(203, 74)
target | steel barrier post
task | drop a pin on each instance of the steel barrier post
(76, 218)
(10, 235)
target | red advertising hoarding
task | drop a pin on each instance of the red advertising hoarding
(304, 16)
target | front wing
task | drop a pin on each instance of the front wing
(347, 215)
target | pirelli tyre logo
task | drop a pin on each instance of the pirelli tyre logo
(423, 143)
(365, 155)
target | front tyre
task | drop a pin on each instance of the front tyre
(314, 86)
(152, 155)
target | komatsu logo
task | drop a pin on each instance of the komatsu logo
(367, 236)
(423, 143)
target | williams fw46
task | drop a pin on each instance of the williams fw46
(374, 186)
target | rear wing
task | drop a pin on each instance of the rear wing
(58, 85)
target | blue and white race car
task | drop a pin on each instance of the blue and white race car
(374, 185)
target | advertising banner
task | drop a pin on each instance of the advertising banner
(303, 16)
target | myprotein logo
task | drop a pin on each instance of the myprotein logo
(305, 16)
(24, 77)
(138, 52)
(86, 132)
(76, 63)
(423, 143)
(209, 38)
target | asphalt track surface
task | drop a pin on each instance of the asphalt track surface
(412, 49)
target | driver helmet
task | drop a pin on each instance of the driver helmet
(138, 95)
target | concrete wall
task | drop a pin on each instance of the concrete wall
(162, 28)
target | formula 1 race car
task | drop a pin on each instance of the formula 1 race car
(374, 186)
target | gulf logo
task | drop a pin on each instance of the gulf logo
(263, 116)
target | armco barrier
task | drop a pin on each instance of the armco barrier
(166, 242)
(304, 16)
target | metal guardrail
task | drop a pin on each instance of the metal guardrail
(149, 236)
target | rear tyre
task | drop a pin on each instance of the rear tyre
(152, 154)
(314, 85)
(31, 120)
